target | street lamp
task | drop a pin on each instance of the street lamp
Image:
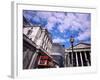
(72, 41)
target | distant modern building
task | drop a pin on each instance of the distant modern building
(58, 53)
(37, 44)
(81, 55)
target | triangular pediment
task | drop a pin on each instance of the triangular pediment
(82, 45)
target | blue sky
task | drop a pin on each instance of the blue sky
(63, 25)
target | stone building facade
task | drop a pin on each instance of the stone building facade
(38, 54)
(39, 36)
(81, 55)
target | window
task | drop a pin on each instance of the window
(43, 60)
(29, 31)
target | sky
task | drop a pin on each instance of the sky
(63, 25)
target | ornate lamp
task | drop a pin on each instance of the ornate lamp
(72, 41)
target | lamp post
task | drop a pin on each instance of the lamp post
(72, 41)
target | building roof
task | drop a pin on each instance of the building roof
(81, 45)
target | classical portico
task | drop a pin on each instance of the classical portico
(81, 55)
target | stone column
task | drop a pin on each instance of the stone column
(25, 53)
(33, 60)
(89, 58)
(86, 59)
(41, 39)
(68, 59)
(76, 59)
(65, 60)
(81, 58)
(72, 59)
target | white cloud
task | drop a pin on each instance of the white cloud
(63, 27)
(58, 40)
(49, 26)
(52, 19)
(70, 21)
(36, 19)
(59, 15)
(84, 35)
(75, 21)
(44, 15)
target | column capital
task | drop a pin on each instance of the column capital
(37, 50)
